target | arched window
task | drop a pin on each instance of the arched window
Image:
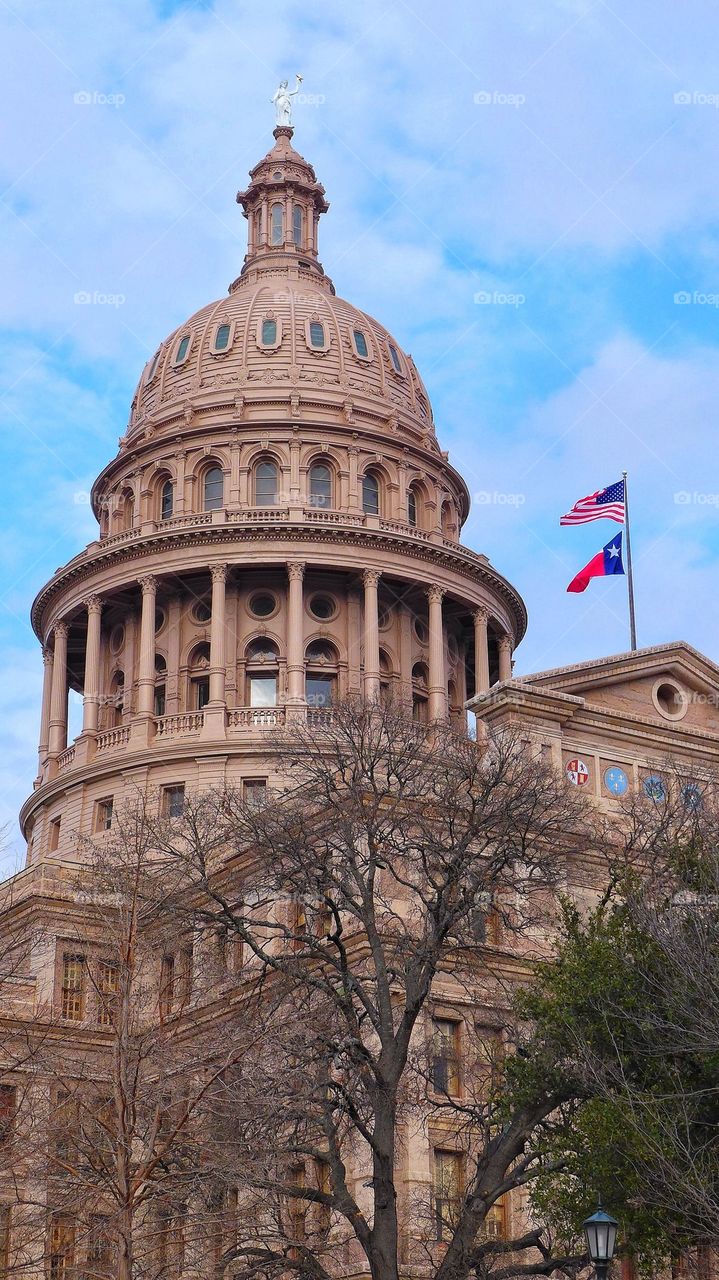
(160, 685)
(214, 489)
(386, 676)
(420, 706)
(320, 675)
(127, 509)
(276, 224)
(320, 485)
(258, 226)
(117, 698)
(222, 337)
(448, 519)
(261, 671)
(199, 672)
(167, 500)
(269, 332)
(266, 483)
(412, 507)
(317, 335)
(370, 494)
(297, 225)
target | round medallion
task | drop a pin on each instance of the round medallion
(691, 795)
(577, 772)
(654, 787)
(616, 780)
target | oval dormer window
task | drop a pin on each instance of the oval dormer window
(222, 337)
(394, 356)
(360, 344)
(269, 333)
(153, 365)
(183, 349)
(317, 335)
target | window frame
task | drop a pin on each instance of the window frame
(313, 347)
(167, 483)
(321, 463)
(103, 814)
(395, 359)
(210, 470)
(259, 333)
(370, 475)
(73, 992)
(223, 324)
(277, 225)
(298, 231)
(262, 501)
(181, 359)
(367, 354)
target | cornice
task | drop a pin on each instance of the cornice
(85, 566)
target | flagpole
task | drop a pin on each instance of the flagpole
(630, 576)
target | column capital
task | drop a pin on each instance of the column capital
(435, 594)
(60, 630)
(295, 570)
(93, 604)
(504, 643)
(218, 572)
(481, 614)
(371, 577)
(47, 655)
(148, 583)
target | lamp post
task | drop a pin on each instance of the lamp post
(600, 1232)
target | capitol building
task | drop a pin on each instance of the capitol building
(281, 531)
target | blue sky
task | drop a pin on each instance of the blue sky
(563, 155)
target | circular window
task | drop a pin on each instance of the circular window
(421, 630)
(117, 638)
(322, 607)
(385, 618)
(201, 611)
(669, 699)
(262, 605)
(159, 619)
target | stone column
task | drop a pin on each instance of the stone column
(437, 674)
(505, 657)
(371, 579)
(405, 654)
(481, 651)
(45, 713)
(91, 693)
(57, 728)
(217, 635)
(146, 673)
(295, 634)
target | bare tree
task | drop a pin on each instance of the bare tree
(365, 896)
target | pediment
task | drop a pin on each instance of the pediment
(672, 684)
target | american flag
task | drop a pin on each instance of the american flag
(605, 504)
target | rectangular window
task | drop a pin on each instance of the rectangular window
(108, 986)
(61, 1246)
(4, 1241)
(262, 691)
(319, 691)
(65, 1123)
(167, 986)
(8, 1106)
(160, 700)
(201, 692)
(254, 792)
(324, 1186)
(53, 838)
(495, 1223)
(173, 800)
(99, 1242)
(73, 987)
(103, 814)
(448, 1178)
(445, 1056)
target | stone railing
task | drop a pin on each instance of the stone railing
(112, 738)
(258, 515)
(255, 717)
(407, 530)
(179, 726)
(272, 515)
(319, 716)
(320, 515)
(65, 759)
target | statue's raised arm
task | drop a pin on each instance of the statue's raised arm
(282, 100)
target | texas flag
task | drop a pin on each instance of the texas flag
(608, 561)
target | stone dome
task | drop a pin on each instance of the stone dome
(275, 331)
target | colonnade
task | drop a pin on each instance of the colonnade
(53, 730)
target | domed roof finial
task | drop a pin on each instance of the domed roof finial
(282, 100)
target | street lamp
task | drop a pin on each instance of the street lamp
(600, 1231)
